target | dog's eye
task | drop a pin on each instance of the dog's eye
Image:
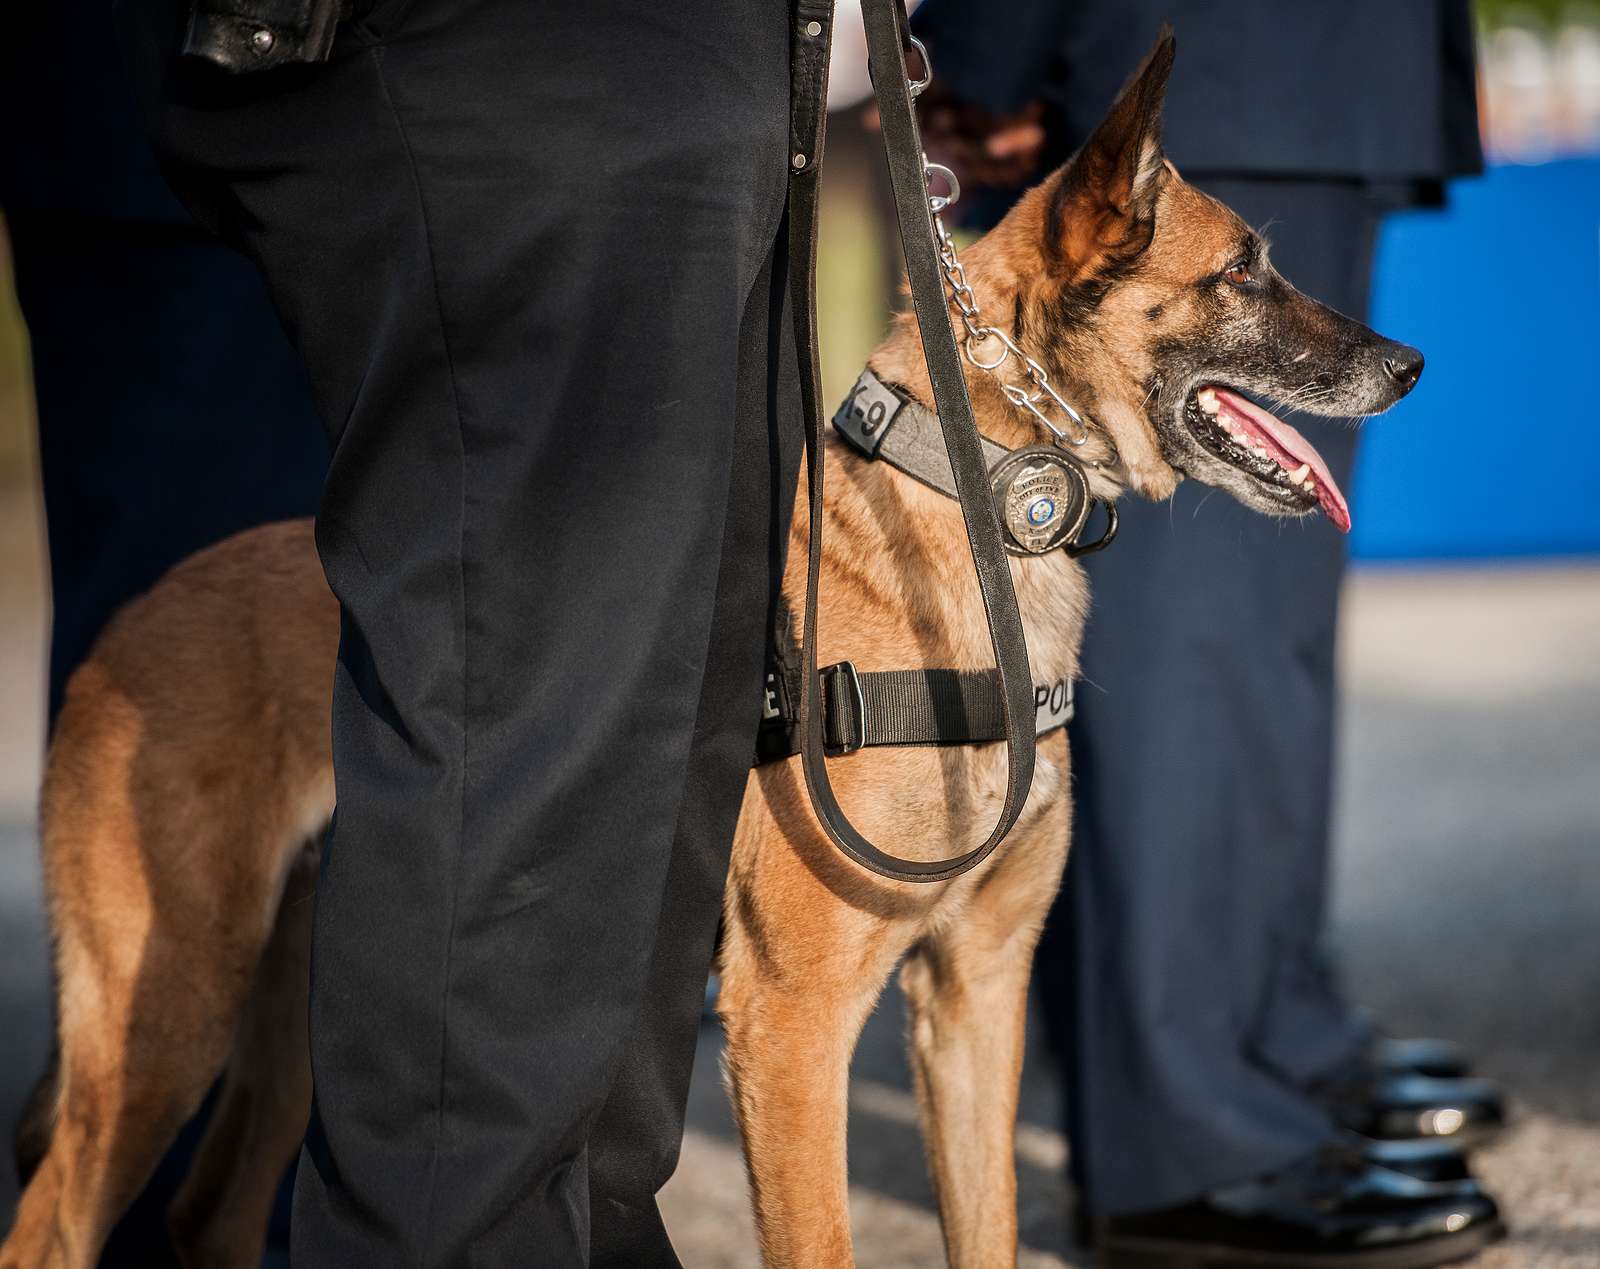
(1239, 273)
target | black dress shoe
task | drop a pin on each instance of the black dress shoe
(1438, 1058)
(1426, 1159)
(1332, 1211)
(1387, 1106)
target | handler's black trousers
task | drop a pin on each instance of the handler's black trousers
(532, 255)
(1181, 972)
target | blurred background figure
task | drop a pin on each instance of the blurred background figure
(1220, 1091)
(1467, 811)
(171, 411)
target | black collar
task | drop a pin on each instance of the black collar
(1041, 491)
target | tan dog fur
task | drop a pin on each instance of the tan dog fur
(190, 776)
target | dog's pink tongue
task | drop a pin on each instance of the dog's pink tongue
(1289, 449)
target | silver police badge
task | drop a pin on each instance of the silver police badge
(1042, 495)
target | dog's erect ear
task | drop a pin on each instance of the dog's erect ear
(1103, 207)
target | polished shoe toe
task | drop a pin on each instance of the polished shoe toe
(1440, 1059)
(1426, 1158)
(1408, 1106)
(1335, 1210)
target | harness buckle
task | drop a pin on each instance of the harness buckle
(838, 736)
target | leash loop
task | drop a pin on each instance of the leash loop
(887, 38)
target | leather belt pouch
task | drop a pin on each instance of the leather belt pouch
(243, 36)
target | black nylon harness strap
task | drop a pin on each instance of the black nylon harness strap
(910, 707)
(896, 708)
(886, 39)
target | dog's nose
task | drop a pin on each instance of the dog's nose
(1403, 364)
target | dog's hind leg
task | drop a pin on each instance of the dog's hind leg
(966, 985)
(131, 1074)
(32, 1137)
(160, 905)
(141, 1041)
(219, 1217)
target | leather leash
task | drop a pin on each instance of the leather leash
(887, 35)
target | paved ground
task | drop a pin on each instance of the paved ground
(1467, 905)
(1467, 900)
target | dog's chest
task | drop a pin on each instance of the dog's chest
(898, 590)
(898, 593)
(1053, 596)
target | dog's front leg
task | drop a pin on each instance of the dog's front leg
(800, 971)
(788, 1064)
(967, 989)
(788, 1082)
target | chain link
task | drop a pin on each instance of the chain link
(988, 347)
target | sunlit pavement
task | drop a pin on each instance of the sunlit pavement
(1467, 905)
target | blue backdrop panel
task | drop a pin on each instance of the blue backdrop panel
(1492, 455)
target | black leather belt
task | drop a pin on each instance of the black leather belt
(887, 36)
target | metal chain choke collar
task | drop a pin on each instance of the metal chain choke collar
(988, 347)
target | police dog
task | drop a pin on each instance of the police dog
(190, 773)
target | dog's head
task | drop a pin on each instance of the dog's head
(1161, 311)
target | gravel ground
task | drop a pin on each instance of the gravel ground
(1466, 902)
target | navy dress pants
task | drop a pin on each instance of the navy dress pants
(1181, 973)
(532, 255)
(172, 410)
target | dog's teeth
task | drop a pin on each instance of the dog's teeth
(1208, 400)
(1299, 474)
